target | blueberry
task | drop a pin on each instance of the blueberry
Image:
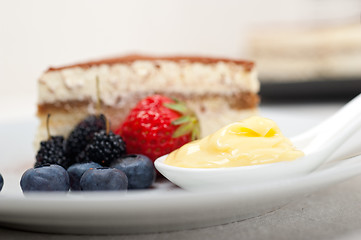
(103, 179)
(1, 182)
(75, 172)
(45, 178)
(139, 170)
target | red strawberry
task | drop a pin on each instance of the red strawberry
(157, 125)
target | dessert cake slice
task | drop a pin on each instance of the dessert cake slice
(220, 91)
(323, 53)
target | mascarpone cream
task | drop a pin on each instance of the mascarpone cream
(253, 141)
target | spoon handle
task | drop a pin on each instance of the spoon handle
(329, 135)
(351, 108)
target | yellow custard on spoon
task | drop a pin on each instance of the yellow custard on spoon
(253, 141)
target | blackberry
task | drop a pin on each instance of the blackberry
(82, 135)
(52, 152)
(104, 148)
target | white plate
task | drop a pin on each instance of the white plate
(164, 208)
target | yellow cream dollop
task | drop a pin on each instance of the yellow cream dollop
(253, 141)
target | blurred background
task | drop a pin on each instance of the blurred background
(292, 41)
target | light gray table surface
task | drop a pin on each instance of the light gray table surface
(333, 213)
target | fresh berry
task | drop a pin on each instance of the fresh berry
(139, 170)
(158, 125)
(82, 135)
(52, 150)
(104, 148)
(45, 178)
(75, 172)
(1, 182)
(103, 179)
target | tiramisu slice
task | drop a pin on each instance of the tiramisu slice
(220, 91)
(308, 54)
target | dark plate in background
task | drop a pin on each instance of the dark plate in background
(321, 90)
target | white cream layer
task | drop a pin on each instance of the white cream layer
(117, 80)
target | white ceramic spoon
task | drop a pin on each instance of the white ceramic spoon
(318, 144)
